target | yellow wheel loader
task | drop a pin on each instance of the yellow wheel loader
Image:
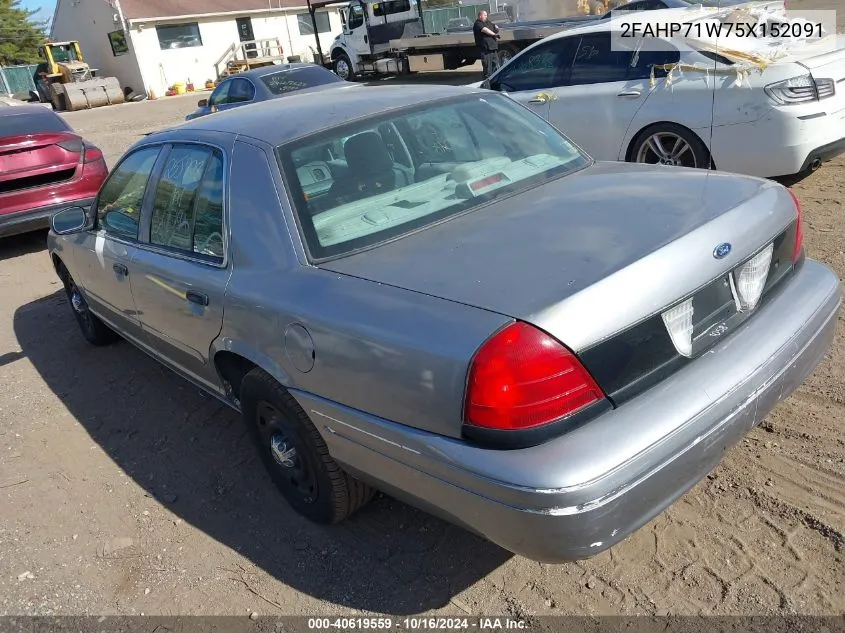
(69, 81)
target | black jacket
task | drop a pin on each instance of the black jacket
(483, 41)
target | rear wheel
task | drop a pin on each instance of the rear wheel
(295, 455)
(670, 144)
(93, 329)
(343, 68)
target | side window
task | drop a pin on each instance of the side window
(545, 66)
(187, 212)
(597, 62)
(389, 7)
(356, 16)
(635, 7)
(208, 215)
(241, 91)
(644, 60)
(220, 94)
(119, 203)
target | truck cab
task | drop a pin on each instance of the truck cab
(368, 28)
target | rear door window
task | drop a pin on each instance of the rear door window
(597, 62)
(240, 91)
(660, 61)
(188, 209)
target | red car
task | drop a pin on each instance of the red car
(44, 167)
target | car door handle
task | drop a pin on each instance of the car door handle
(120, 269)
(630, 94)
(197, 297)
(538, 100)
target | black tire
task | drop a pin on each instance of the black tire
(695, 155)
(343, 68)
(93, 329)
(295, 455)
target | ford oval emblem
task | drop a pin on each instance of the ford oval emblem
(722, 250)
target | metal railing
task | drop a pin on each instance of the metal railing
(244, 55)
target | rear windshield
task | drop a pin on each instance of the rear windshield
(382, 177)
(299, 79)
(20, 123)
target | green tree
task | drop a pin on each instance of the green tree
(20, 34)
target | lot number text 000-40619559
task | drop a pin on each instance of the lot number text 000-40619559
(416, 623)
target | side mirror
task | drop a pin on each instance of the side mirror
(202, 103)
(70, 220)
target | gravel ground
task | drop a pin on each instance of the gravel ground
(124, 490)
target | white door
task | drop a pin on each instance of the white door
(531, 77)
(601, 97)
(356, 35)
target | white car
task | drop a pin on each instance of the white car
(684, 105)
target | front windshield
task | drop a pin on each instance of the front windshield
(379, 178)
(299, 79)
(63, 53)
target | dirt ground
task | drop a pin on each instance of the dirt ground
(124, 490)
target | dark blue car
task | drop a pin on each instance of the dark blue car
(268, 82)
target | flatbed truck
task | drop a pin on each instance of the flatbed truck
(387, 37)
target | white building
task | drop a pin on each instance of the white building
(153, 44)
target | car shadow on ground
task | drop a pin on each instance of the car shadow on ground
(194, 455)
(20, 245)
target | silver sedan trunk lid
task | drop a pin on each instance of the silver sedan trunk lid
(591, 253)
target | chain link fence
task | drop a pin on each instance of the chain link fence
(436, 20)
(17, 79)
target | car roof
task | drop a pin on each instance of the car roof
(279, 121)
(274, 68)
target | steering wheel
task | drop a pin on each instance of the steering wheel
(214, 237)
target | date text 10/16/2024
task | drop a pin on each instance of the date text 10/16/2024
(417, 624)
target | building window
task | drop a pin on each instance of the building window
(179, 35)
(389, 7)
(117, 39)
(307, 28)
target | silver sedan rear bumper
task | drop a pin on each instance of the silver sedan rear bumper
(581, 493)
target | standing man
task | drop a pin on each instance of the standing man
(486, 41)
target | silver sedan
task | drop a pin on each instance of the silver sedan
(432, 292)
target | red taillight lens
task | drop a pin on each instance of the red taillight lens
(522, 378)
(92, 153)
(799, 229)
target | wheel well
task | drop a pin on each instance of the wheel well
(630, 151)
(232, 369)
(58, 266)
(337, 53)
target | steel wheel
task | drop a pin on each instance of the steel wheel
(93, 329)
(343, 68)
(295, 477)
(79, 305)
(666, 148)
(295, 454)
